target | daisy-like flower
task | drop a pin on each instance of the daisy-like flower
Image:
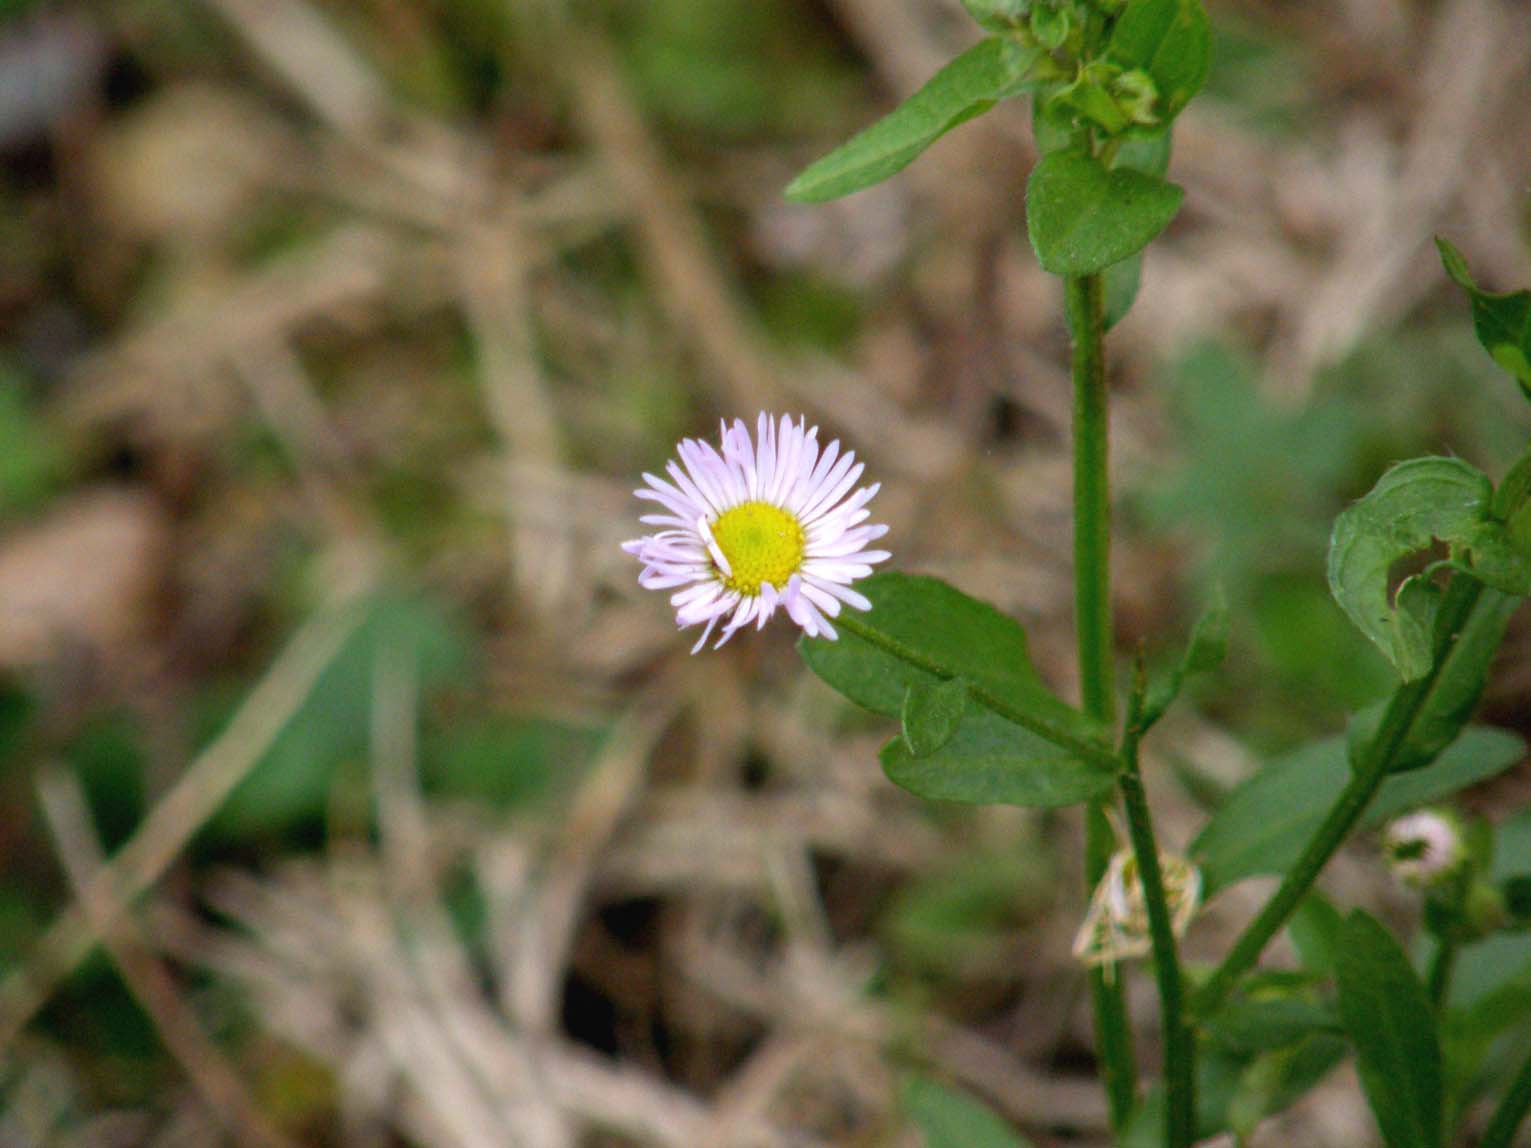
(762, 524)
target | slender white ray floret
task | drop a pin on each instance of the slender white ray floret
(759, 525)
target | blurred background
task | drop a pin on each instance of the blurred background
(334, 335)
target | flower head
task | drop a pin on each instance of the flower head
(1424, 848)
(759, 525)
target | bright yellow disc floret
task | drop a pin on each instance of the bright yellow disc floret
(763, 543)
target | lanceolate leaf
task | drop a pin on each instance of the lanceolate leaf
(1171, 40)
(951, 1119)
(1502, 322)
(1265, 822)
(1387, 1013)
(992, 70)
(1412, 504)
(1082, 218)
(1207, 647)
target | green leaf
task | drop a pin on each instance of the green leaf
(1412, 504)
(940, 633)
(1015, 742)
(1206, 649)
(1083, 218)
(997, 15)
(1315, 933)
(932, 711)
(1388, 1015)
(1171, 40)
(951, 1119)
(1502, 322)
(990, 761)
(1266, 821)
(1276, 1080)
(1122, 280)
(1454, 693)
(1253, 1026)
(990, 71)
(1495, 560)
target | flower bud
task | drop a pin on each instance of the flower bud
(1425, 849)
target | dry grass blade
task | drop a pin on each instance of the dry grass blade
(188, 804)
(151, 983)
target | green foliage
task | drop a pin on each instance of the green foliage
(1013, 742)
(991, 761)
(1083, 217)
(1204, 652)
(1412, 504)
(992, 70)
(1454, 690)
(927, 631)
(997, 15)
(964, 913)
(1390, 1021)
(931, 714)
(1171, 41)
(507, 761)
(950, 1119)
(290, 786)
(733, 70)
(1502, 322)
(1264, 824)
(32, 462)
(1251, 1026)
(1315, 933)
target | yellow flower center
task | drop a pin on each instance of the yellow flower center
(763, 543)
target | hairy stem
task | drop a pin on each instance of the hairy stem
(1084, 297)
(1365, 779)
(1179, 1045)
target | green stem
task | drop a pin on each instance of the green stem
(1113, 1038)
(1511, 1111)
(1085, 304)
(1092, 499)
(1179, 1046)
(1441, 965)
(1365, 779)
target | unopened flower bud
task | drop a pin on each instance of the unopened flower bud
(1425, 848)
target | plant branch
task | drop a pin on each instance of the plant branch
(1365, 779)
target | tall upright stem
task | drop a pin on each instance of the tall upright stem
(1092, 619)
